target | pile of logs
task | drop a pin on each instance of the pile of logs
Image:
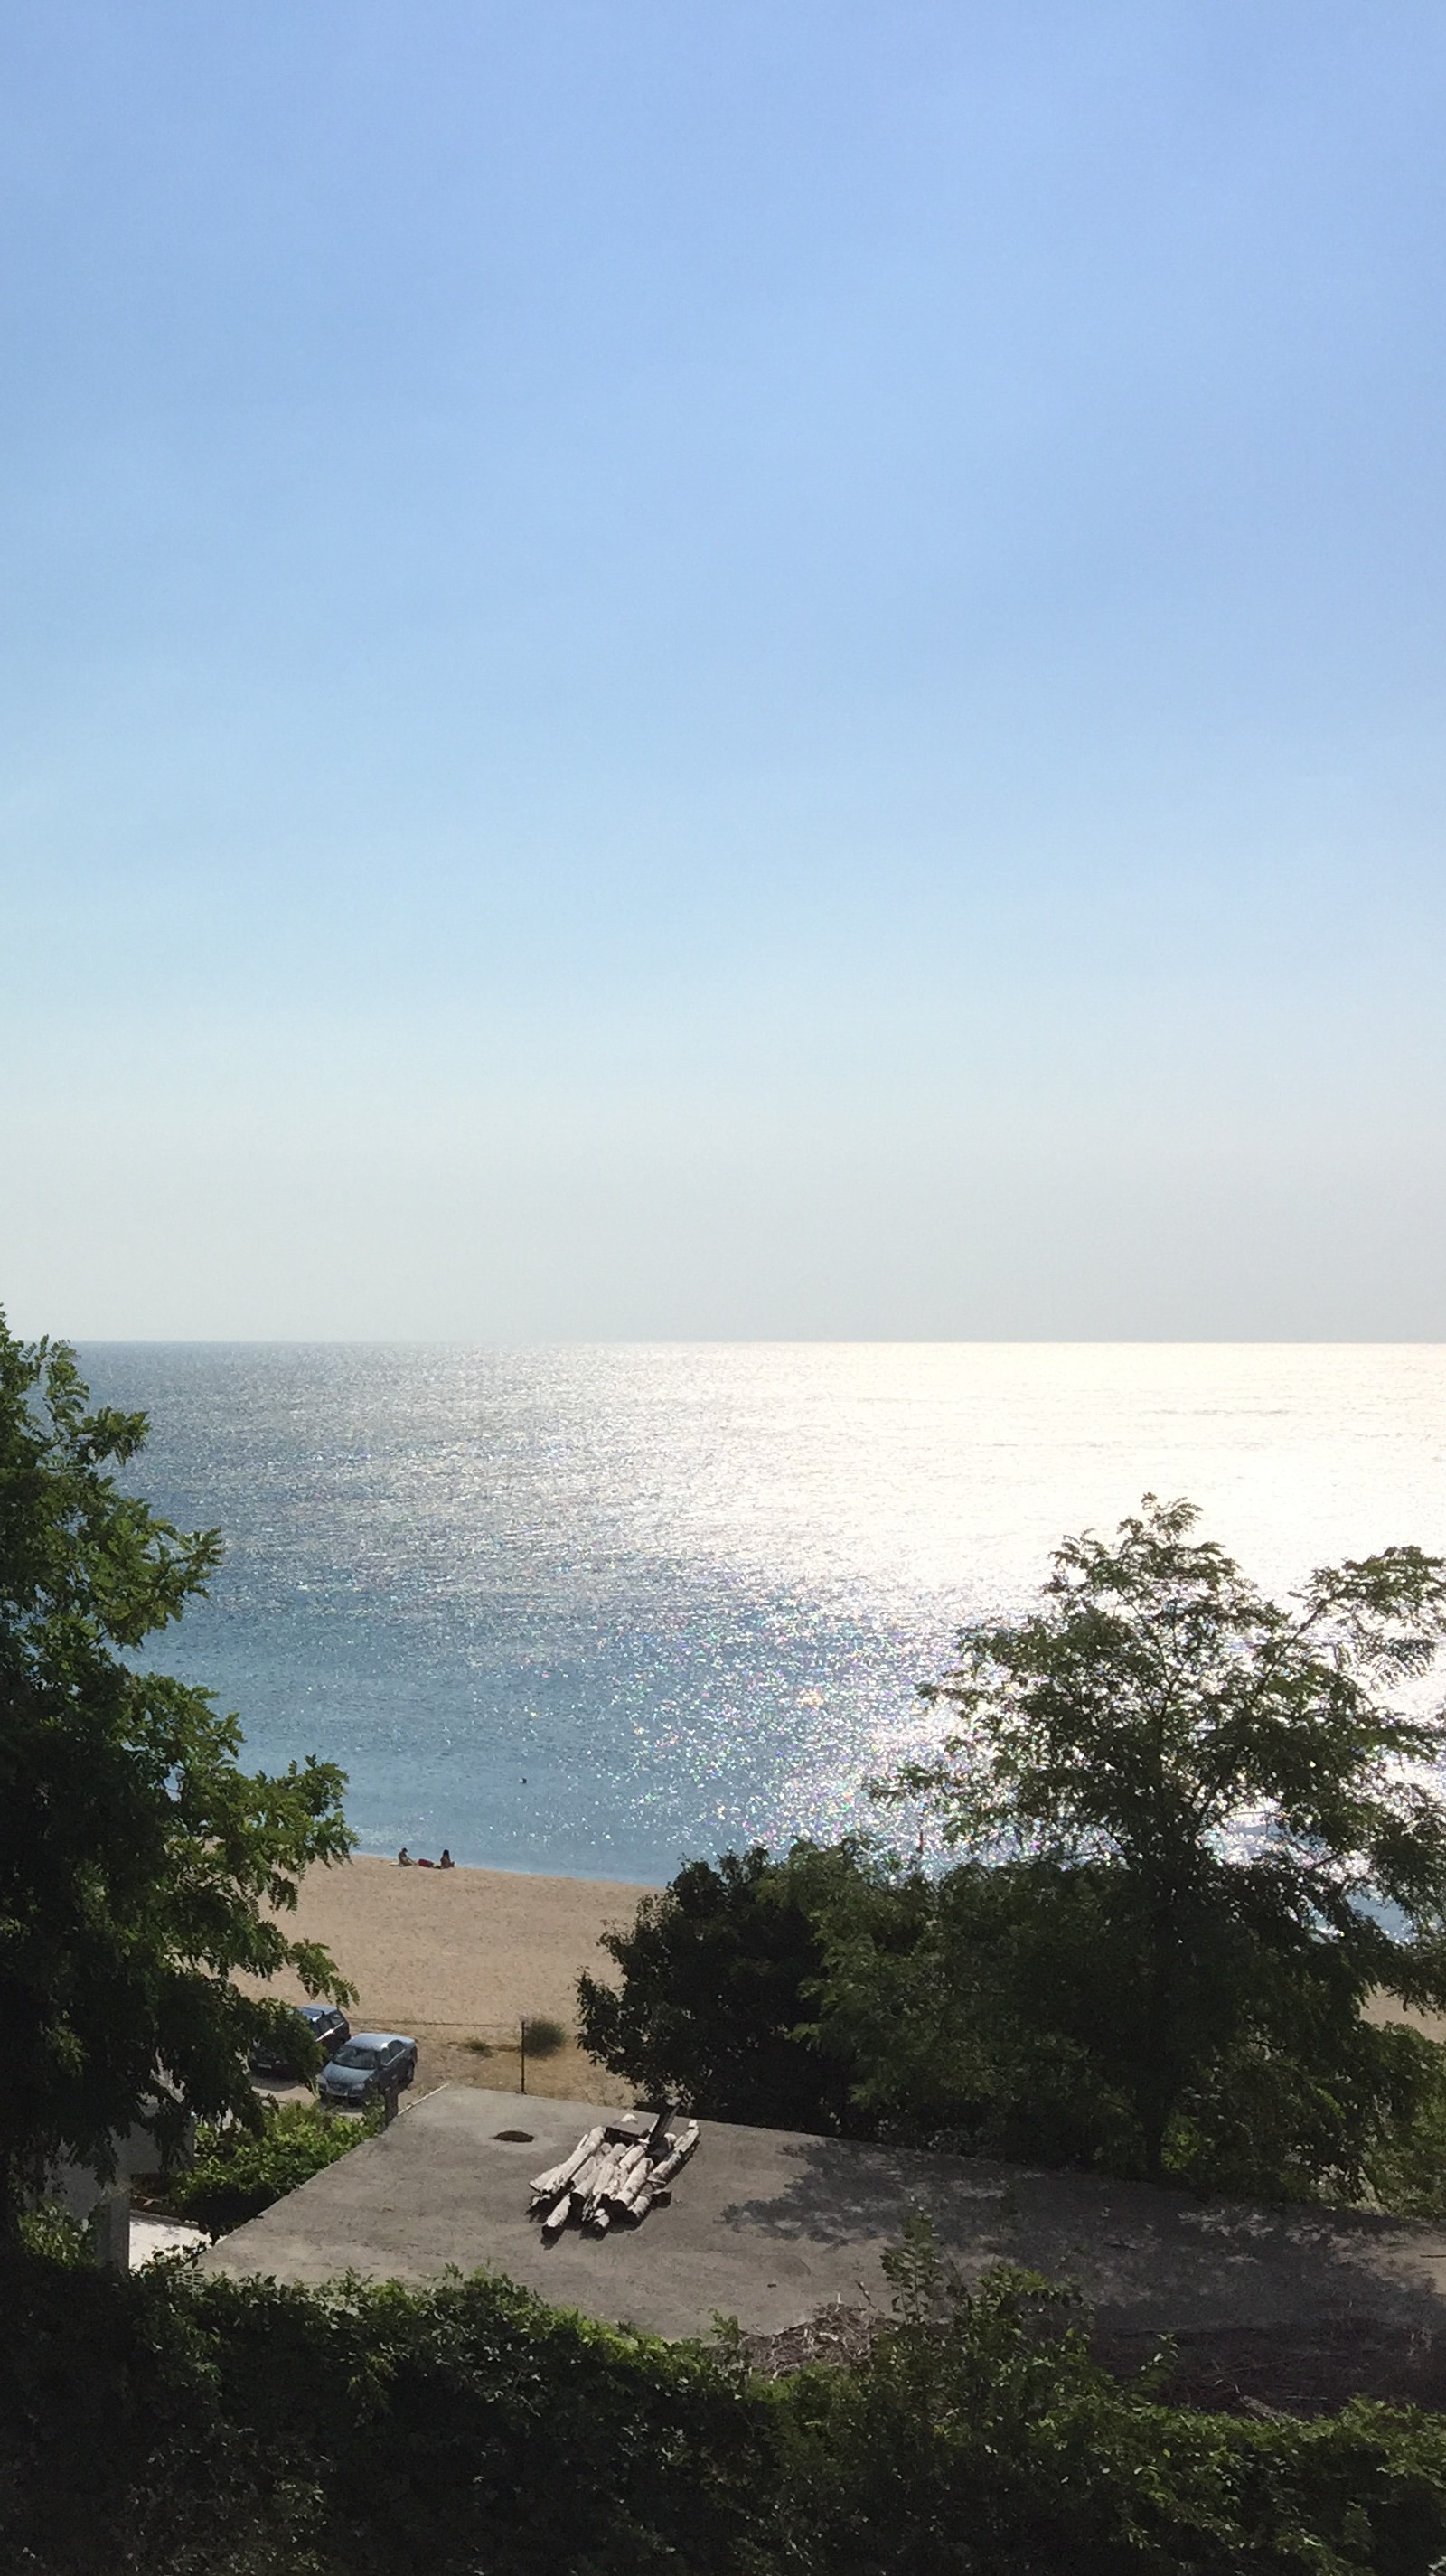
(614, 2172)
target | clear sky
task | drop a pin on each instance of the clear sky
(723, 668)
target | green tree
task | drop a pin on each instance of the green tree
(982, 2010)
(1247, 1799)
(137, 1860)
(719, 1975)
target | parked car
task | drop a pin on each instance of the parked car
(327, 2024)
(372, 2063)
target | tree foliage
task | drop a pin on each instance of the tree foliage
(1235, 1794)
(718, 1977)
(235, 2173)
(137, 1860)
(230, 2428)
(1194, 1830)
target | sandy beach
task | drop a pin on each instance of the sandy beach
(456, 1957)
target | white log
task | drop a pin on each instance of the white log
(601, 2183)
(633, 2179)
(654, 2185)
(682, 2149)
(630, 2163)
(610, 2189)
(546, 2186)
(588, 2176)
(557, 2215)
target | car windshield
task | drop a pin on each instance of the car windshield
(369, 2059)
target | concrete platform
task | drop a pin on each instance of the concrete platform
(767, 2226)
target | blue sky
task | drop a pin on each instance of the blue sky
(736, 670)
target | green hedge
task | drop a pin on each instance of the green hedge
(236, 2173)
(220, 2428)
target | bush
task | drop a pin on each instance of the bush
(52, 2232)
(994, 2010)
(980, 2439)
(226, 2428)
(1406, 2169)
(236, 2173)
(545, 2038)
(719, 1977)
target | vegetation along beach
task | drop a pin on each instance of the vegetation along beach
(723, 1288)
(1181, 1842)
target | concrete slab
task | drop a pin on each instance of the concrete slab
(768, 2226)
(151, 2237)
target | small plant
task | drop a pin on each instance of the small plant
(479, 2047)
(52, 2233)
(239, 2172)
(542, 2037)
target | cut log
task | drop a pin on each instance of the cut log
(630, 2171)
(593, 2181)
(585, 2181)
(674, 2163)
(546, 2186)
(556, 2217)
(634, 2179)
(654, 2185)
(621, 2164)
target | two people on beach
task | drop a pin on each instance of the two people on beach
(405, 1861)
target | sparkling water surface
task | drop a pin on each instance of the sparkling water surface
(588, 1609)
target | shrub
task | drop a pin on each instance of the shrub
(237, 2173)
(1406, 2168)
(545, 2038)
(52, 2232)
(226, 2428)
(980, 2439)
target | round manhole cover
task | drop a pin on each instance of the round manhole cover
(515, 2137)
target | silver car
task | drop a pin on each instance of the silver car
(372, 2063)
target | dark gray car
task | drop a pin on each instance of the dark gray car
(372, 2063)
(328, 2026)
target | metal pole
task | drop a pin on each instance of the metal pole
(522, 2052)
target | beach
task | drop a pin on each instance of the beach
(454, 1958)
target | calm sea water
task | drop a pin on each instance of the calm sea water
(589, 1609)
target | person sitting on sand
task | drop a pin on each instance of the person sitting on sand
(446, 1861)
(404, 1858)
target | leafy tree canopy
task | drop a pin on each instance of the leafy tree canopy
(1237, 1793)
(719, 1971)
(1193, 1831)
(138, 1862)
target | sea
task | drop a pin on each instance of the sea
(594, 1609)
